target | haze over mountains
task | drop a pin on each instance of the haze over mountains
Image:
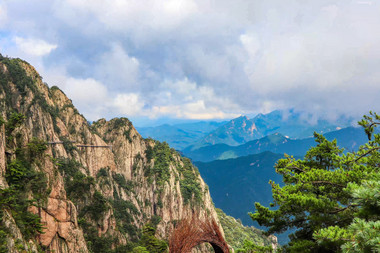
(349, 138)
(182, 135)
(195, 135)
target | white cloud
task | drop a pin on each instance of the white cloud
(134, 15)
(88, 95)
(192, 110)
(34, 47)
(129, 104)
(85, 90)
(185, 99)
(193, 58)
(118, 69)
(3, 15)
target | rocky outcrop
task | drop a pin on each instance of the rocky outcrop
(103, 180)
(2, 155)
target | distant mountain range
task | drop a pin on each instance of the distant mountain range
(349, 138)
(182, 135)
(242, 129)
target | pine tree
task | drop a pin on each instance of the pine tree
(327, 196)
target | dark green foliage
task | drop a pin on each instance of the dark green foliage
(104, 244)
(55, 88)
(124, 211)
(117, 123)
(36, 148)
(2, 121)
(242, 238)
(16, 173)
(77, 185)
(3, 237)
(95, 243)
(68, 145)
(41, 101)
(18, 75)
(363, 234)
(22, 179)
(127, 185)
(328, 197)
(189, 182)
(149, 153)
(159, 201)
(97, 207)
(15, 120)
(150, 242)
(162, 158)
(29, 224)
(21, 175)
(91, 203)
(155, 220)
(369, 122)
(102, 173)
(140, 249)
(127, 134)
(250, 247)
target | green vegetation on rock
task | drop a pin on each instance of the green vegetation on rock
(150, 242)
(243, 238)
(164, 157)
(250, 247)
(27, 187)
(189, 182)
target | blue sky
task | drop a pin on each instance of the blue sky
(200, 60)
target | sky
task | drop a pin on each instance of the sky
(152, 60)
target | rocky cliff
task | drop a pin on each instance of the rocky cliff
(84, 187)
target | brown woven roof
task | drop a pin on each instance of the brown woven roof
(191, 232)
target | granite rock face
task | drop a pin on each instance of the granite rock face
(135, 180)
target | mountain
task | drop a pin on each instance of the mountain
(296, 125)
(349, 138)
(236, 184)
(179, 136)
(242, 129)
(68, 186)
(234, 132)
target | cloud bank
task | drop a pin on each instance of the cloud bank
(193, 59)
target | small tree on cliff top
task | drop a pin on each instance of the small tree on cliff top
(324, 193)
